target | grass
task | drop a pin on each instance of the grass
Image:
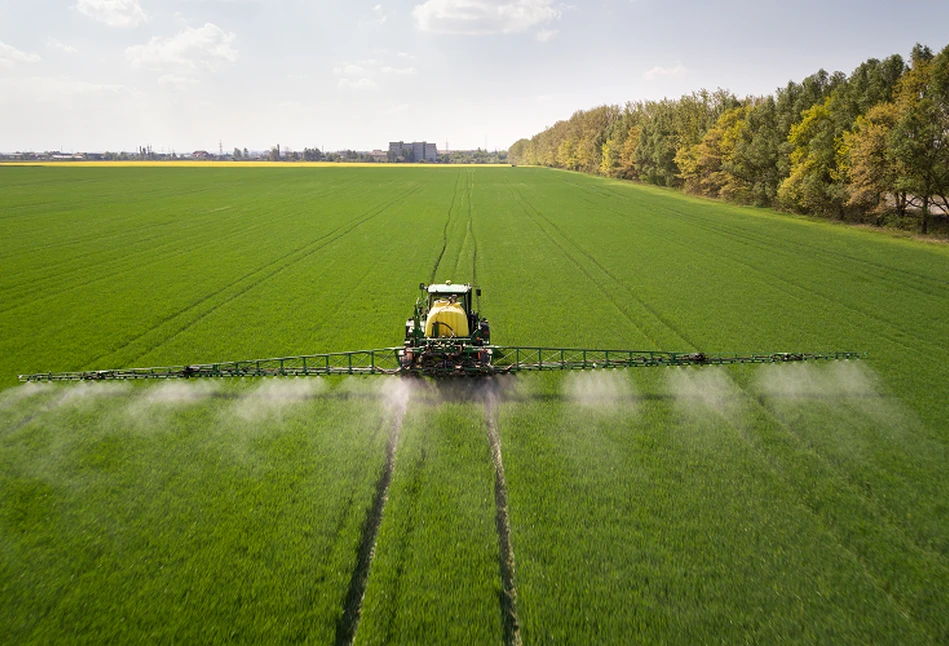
(181, 513)
(435, 574)
(750, 503)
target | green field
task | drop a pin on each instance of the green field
(755, 503)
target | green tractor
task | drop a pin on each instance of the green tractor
(445, 334)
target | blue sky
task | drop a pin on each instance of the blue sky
(187, 74)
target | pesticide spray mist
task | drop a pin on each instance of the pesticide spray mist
(844, 383)
(84, 393)
(13, 396)
(598, 392)
(178, 393)
(153, 403)
(274, 396)
(700, 391)
(803, 381)
(396, 395)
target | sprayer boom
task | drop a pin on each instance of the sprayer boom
(441, 360)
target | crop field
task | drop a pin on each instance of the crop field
(798, 502)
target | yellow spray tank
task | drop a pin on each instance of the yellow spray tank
(446, 318)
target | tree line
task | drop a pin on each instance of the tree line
(869, 147)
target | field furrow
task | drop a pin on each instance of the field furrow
(842, 497)
(599, 276)
(836, 254)
(180, 319)
(451, 208)
(635, 506)
(195, 511)
(435, 575)
(191, 240)
(396, 395)
(506, 565)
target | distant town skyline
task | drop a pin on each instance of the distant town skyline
(184, 75)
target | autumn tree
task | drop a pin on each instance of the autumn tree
(753, 164)
(618, 151)
(919, 140)
(815, 183)
(871, 171)
(656, 150)
(705, 166)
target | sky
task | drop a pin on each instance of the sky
(184, 75)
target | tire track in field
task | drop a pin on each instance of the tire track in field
(269, 270)
(529, 212)
(403, 542)
(348, 623)
(779, 468)
(451, 206)
(508, 595)
(474, 241)
(769, 278)
(119, 263)
(833, 261)
(123, 224)
(460, 261)
(807, 294)
(901, 278)
(845, 484)
(68, 207)
(884, 272)
(860, 490)
(810, 292)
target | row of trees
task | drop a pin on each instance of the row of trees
(477, 156)
(309, 154)
(864, 147)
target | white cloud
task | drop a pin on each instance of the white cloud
(406, 56)
(547, 34)
(54, 89)
(478, 17)
(114, 13)
(659, 72)
(10, 55)
(395, 109)
(350, 69)
(177, 82)
(358, 84)
(63, 47)
(378, 14)
(364, 74)
(399, 70)
(205, 48)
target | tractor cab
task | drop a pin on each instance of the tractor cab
(460, 294)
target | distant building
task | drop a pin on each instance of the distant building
(417, 151)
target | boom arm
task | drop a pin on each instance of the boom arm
(450, 359)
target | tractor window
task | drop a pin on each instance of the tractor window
(462, 299)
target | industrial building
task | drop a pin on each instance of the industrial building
(417, 151)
